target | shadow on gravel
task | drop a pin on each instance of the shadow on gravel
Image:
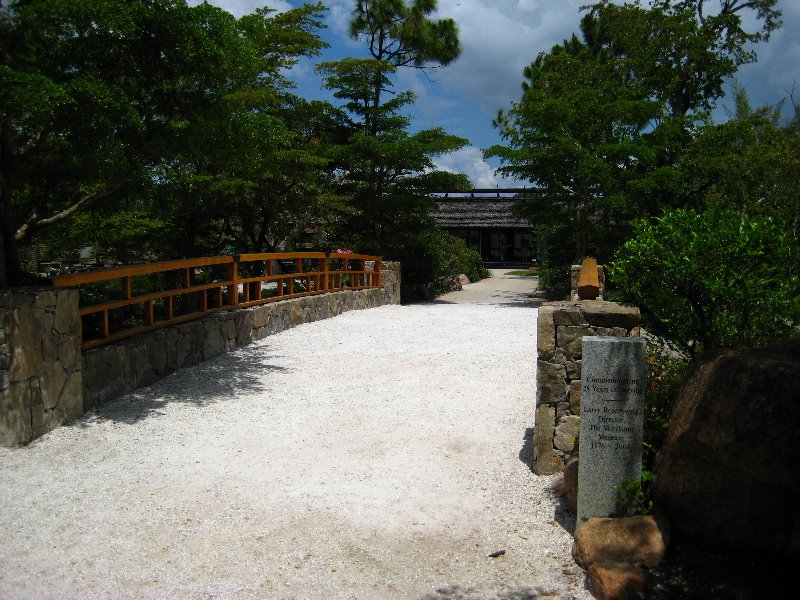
(457, 592)
(562, 514)
(502, 302)
(217, 379)
(526, 452)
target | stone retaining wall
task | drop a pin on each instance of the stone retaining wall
(40, 362)
(45, 383)
(561, 328)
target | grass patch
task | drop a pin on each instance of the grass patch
(533, 272)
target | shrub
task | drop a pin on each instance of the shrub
(665, 371)
(555, 278)
(711, 279)
(430, 259)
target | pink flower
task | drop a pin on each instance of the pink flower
(343, 251)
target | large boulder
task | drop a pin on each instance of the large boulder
(729, 471)
(639, 540)
(616, 551)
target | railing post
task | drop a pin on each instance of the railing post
(376, 277)
(324, 273)
(149, 316)
(126, 288)
(233, 277)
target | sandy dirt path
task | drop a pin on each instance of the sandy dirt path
(378, 454)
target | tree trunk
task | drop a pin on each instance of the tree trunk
(10, 268)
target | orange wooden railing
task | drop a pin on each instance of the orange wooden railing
(246, 279)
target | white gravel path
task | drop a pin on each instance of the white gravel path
(374, 455)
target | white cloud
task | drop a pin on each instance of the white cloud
(239, 8)
(469, 160)
(499, 39)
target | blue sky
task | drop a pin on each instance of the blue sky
(499, 38)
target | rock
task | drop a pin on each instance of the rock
(568, 315)
(551, 381)
(616, 581)
(543, 460)
(570, 340)
(463, 279)
(729, 471)
(639, 540)
(566, 432)
(546, 332)
(557, 486)
(610, 314)
(575, 396)
(571, 479)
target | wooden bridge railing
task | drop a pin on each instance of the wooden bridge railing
(122, 302)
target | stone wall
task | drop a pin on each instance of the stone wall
(561, 328)
(44, 381)
(40, 362)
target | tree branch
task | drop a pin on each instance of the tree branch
(35, 224)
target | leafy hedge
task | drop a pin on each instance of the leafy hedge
(430, 259)
(711, 279)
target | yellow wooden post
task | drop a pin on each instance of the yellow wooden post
(588, 282)
(377, 277)
(148, 313)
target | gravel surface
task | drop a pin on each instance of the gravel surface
(374, 455)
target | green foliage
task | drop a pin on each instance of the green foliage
(404, 34)
(711, 279)
(633, 497)
(385, 172)
(174, 114)
(577, 134)
(555, 278)
(665, 368)
(607, 123)
(431, 258)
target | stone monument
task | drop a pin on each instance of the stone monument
(612, 418)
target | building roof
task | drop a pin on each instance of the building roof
(470, 211)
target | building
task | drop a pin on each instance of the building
(484, 220)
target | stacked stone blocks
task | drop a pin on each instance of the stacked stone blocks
(561, 328)
(40, 362)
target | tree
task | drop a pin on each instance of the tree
(403, 36)
(256, 166)
(681, 51)
(605, 121)
(385, 171)
(110, 105)
(578, 135)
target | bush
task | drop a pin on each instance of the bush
(430, 259)
(555, 278)
(712, 279)
(665, 372)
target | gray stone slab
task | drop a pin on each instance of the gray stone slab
(612, 416)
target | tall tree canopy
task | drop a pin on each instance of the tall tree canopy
(604, 119)
(110, 104)
(402, 35)
(384, 170)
